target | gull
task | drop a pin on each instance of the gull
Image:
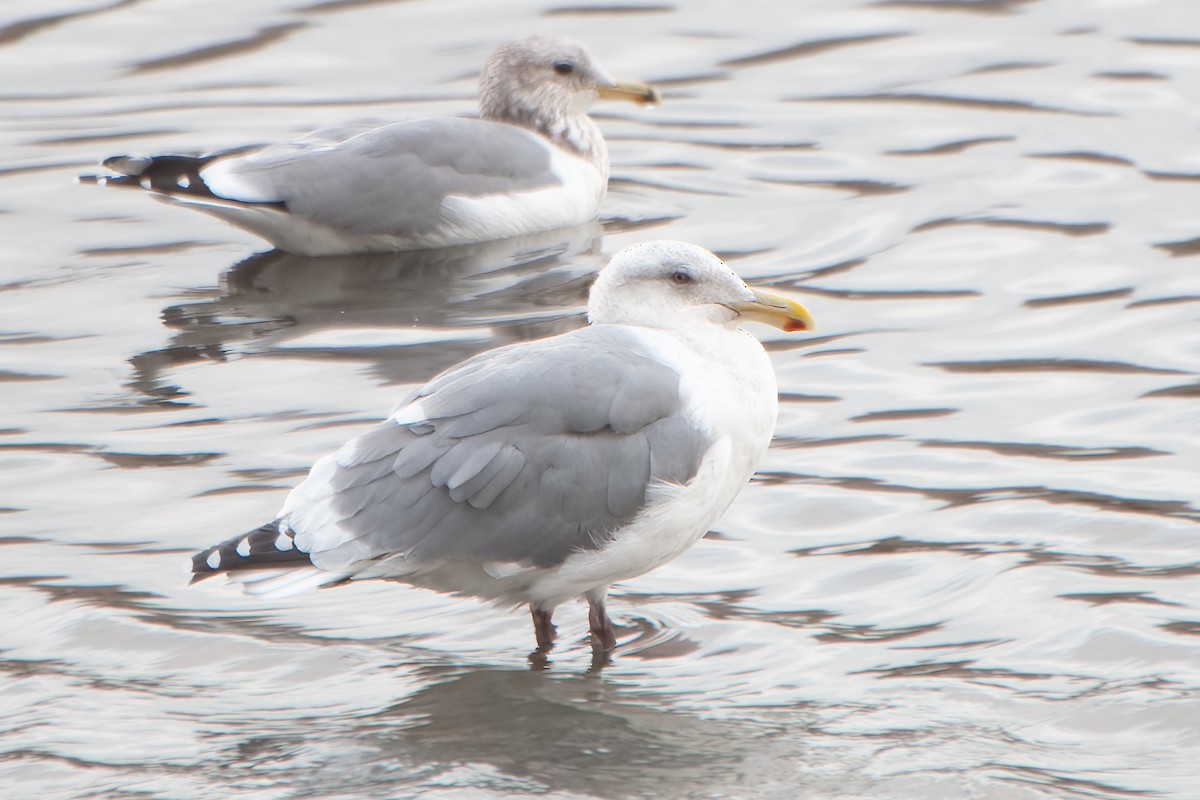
(533, 161)
(544, 471)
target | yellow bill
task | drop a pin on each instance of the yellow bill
(776, 310)
(634, 91)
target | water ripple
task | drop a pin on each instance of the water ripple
(262, 38)
(810, 48)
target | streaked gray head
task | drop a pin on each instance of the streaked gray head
(547, 85)
(666, 284)
(538, 78)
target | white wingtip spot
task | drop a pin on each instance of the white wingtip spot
(213, 560)
(243, 547)
(184, 182)
(283, 541)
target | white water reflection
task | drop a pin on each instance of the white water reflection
(968, 568)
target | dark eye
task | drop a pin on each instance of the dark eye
(680, 277)
(564, 67)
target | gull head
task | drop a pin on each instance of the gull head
(546, 84)
(543, 72)
(677, 285)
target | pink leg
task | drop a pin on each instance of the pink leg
(543, 628)
(604, 637)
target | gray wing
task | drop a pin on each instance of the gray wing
(390, 178)
(527, 453)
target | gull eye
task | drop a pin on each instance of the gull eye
(564, 67)
(681, 277)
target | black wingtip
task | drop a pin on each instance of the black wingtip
(171, 174)
(199, 576)
(132, 166)
(267, 547)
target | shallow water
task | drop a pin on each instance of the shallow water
(968, 569)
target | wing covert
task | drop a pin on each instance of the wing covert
(525, 454)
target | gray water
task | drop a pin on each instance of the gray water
(969, 567)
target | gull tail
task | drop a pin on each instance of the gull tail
(266, 562)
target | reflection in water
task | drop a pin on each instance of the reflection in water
(520, 732)
(509, 290)
(578, 734)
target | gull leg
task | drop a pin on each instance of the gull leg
(604, 637)
(543, 628)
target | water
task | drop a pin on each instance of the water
(968, 568)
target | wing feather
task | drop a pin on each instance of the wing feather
(390, 179)
(525, 454)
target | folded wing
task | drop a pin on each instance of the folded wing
(524, 456)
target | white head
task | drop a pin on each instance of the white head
(676, 285)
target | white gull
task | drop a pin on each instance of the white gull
(547, 470)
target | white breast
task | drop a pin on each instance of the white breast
(739, 411)
(574, 201)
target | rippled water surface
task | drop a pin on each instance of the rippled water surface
(969, 567)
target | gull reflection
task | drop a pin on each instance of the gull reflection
(454, 302)
(517, 731)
